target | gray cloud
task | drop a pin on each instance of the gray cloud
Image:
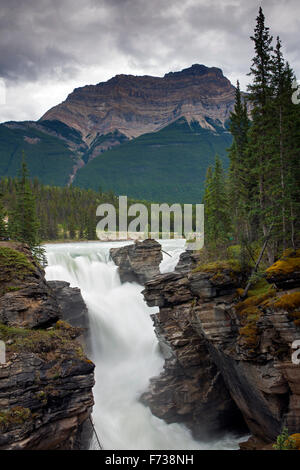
(50, 46)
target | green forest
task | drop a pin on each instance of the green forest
(63, 213)
(164, 166)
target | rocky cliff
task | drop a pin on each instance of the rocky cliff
(46, 382)
(221, 350)
(138, 105)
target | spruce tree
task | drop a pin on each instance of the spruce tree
(240, 181)
(23, 222)
(217, 220)
(261, 144)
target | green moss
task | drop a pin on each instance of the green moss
(14, 267)
(13, 417)
(253, 302)
(47, 344)
(249, 333)
(289, 302)
(288, 263)
(219, 266)
(42, 397)
(261, 287)
(250, 311)
(12, 289)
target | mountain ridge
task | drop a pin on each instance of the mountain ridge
(136, 105)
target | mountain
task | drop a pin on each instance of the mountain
(147, 137)
(53, 153)
(140, 105)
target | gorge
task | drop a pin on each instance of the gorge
(124, 349)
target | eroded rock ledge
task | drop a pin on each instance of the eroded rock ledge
(46, 383)
(138, 262)
(224, 356)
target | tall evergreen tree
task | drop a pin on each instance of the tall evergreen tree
(217, 220)
(261, 143)
(240, 181)
(23, 222)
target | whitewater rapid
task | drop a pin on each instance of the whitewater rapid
(124, 347)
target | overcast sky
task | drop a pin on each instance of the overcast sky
(49, 47)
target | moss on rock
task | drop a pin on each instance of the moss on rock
(287, 264)
(47, 344)
(12, 417)
(14, 267)
(219, 266)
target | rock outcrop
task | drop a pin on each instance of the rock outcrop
(71, 303)
(26, 300)
(46, 382)
(138, 262)
(188, 260)
(248, 343)
(191, 389)
(138, 105)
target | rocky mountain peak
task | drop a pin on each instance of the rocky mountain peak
(135, 105)
(196, 70)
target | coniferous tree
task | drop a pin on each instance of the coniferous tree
(217, 221)
(23, 222)
(208, 205)
(240, 182)
(261, 144)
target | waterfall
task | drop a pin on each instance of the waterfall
(124, 347)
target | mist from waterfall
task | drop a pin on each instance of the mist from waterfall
(124, 347)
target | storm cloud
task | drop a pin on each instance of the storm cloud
(49, 47)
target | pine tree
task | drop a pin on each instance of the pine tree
(208, 205)
(261, 144)
(240, 181)
(217, 220)
(23, 221)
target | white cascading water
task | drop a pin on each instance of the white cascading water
(124, 347)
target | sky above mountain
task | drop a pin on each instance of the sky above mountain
(49, 47)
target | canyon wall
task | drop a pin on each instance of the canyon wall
(46, 382)
(220, 349)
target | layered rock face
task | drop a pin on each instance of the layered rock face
(138, 262)
(46, 382)
(191, 389)
(71, 303)
(205, 331)
(138, 105)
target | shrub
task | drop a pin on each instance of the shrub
(284, 441)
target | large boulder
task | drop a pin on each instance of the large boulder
(71, 303)
(138, 262)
